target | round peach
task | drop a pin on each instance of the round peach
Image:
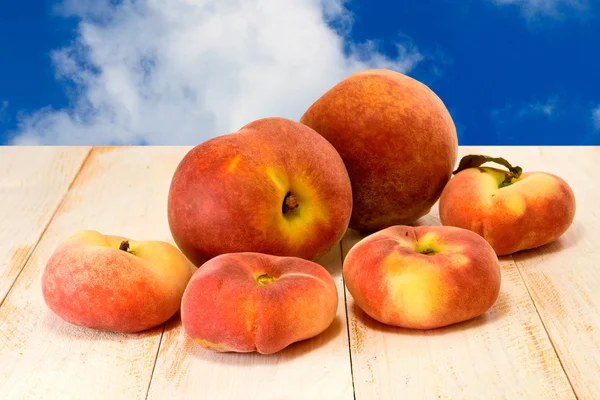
(244, 302)
(512, 215)
(398, 142)
(115, 284)
(275, 187)
(422, 277)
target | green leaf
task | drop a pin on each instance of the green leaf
(476, 160)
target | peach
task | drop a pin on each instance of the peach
(115, 284)
(397, 140)
(422, 277)
(245, 302)
(512, 210)
(275, 187)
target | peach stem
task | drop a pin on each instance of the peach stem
(289, 203)
(507, 180)
(265, 279)
(124, 245)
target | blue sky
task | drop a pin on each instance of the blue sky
(105, 72)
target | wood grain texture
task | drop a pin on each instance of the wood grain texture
(563, 277)
(541, 339)
(33, 181)
(120, 191)
(317, 368)
(504, 354)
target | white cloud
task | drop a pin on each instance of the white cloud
(596, 117)
(547, 108)
(182, 71)
(3, 108)
(547, 8)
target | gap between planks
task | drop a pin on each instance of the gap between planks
(95, 149)
(562, 366)
(52, 216)
(519, 266)
(341, 253)
(77, 175)
(347, 317)
(160, 343)
(527, 295)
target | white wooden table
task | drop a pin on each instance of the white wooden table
(541, 340)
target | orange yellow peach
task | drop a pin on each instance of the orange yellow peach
(274, 187)
(422, 277)
(113, 283)
(398, 142)
(246, 302)
(533, 210)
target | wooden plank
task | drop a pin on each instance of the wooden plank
(33, 181)
(318, 368)
(563, 277)
(504, 354)
(120, 191)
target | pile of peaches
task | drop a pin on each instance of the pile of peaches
(252, 211)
